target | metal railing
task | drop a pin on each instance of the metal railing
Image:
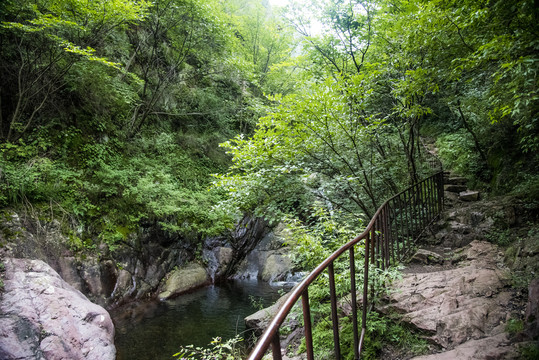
(387, 239)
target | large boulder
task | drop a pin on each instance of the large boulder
(183, 280)
(43, 317)
(276, 267)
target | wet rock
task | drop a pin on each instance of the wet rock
(43, 317)
(469, 195)
(183, 280)
(218, 258)
(269, 260)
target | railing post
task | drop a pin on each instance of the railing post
(385, 234)
(334, 314)
(406, 207)
(365, 292)
(354, 302)
(276, 347)
(431, 198)
(401, 226)
(307, 323)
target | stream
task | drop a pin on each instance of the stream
(156, 330)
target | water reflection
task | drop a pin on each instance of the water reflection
(155, 330)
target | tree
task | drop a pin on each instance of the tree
(313, 147)
(42, 42)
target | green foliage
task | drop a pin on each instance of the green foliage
(529, 351)
(155, 180)
(217, 350)
(500, 237)
(514, 326)
(316, 146)
(311, 244)
(456, 152)
(113, 149)
(256, 302)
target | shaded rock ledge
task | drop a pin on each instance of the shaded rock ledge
(43, 317)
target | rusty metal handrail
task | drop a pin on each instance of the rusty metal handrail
(388, 237)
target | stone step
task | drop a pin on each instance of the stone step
(455, 188)
(469, 195)
(456, 180)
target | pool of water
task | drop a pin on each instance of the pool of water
(156, 330)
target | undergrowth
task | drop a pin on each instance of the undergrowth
(311, 245)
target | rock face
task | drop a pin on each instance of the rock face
(130, 271)
(464, 309)
(460, 304)
(268, 261)
(532, 310)
(184, 279)
(43, 317)
(495, 347)
(468, 221)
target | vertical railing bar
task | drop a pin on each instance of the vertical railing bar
(307, 324)
(365, 292)
(390, 231)
(406, 207)
(429, 200)
(391, 228)
(376, 242)
(387, 235)
(380, 235)
(373, 257)
(276, 347)
(413, 210)
(421, 209)
(354, 302)
(334, 315)
(396, 225)
(432, 197)
(402, 226)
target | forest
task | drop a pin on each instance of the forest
(191, 114)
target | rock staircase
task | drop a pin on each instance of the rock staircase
(456, 291)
